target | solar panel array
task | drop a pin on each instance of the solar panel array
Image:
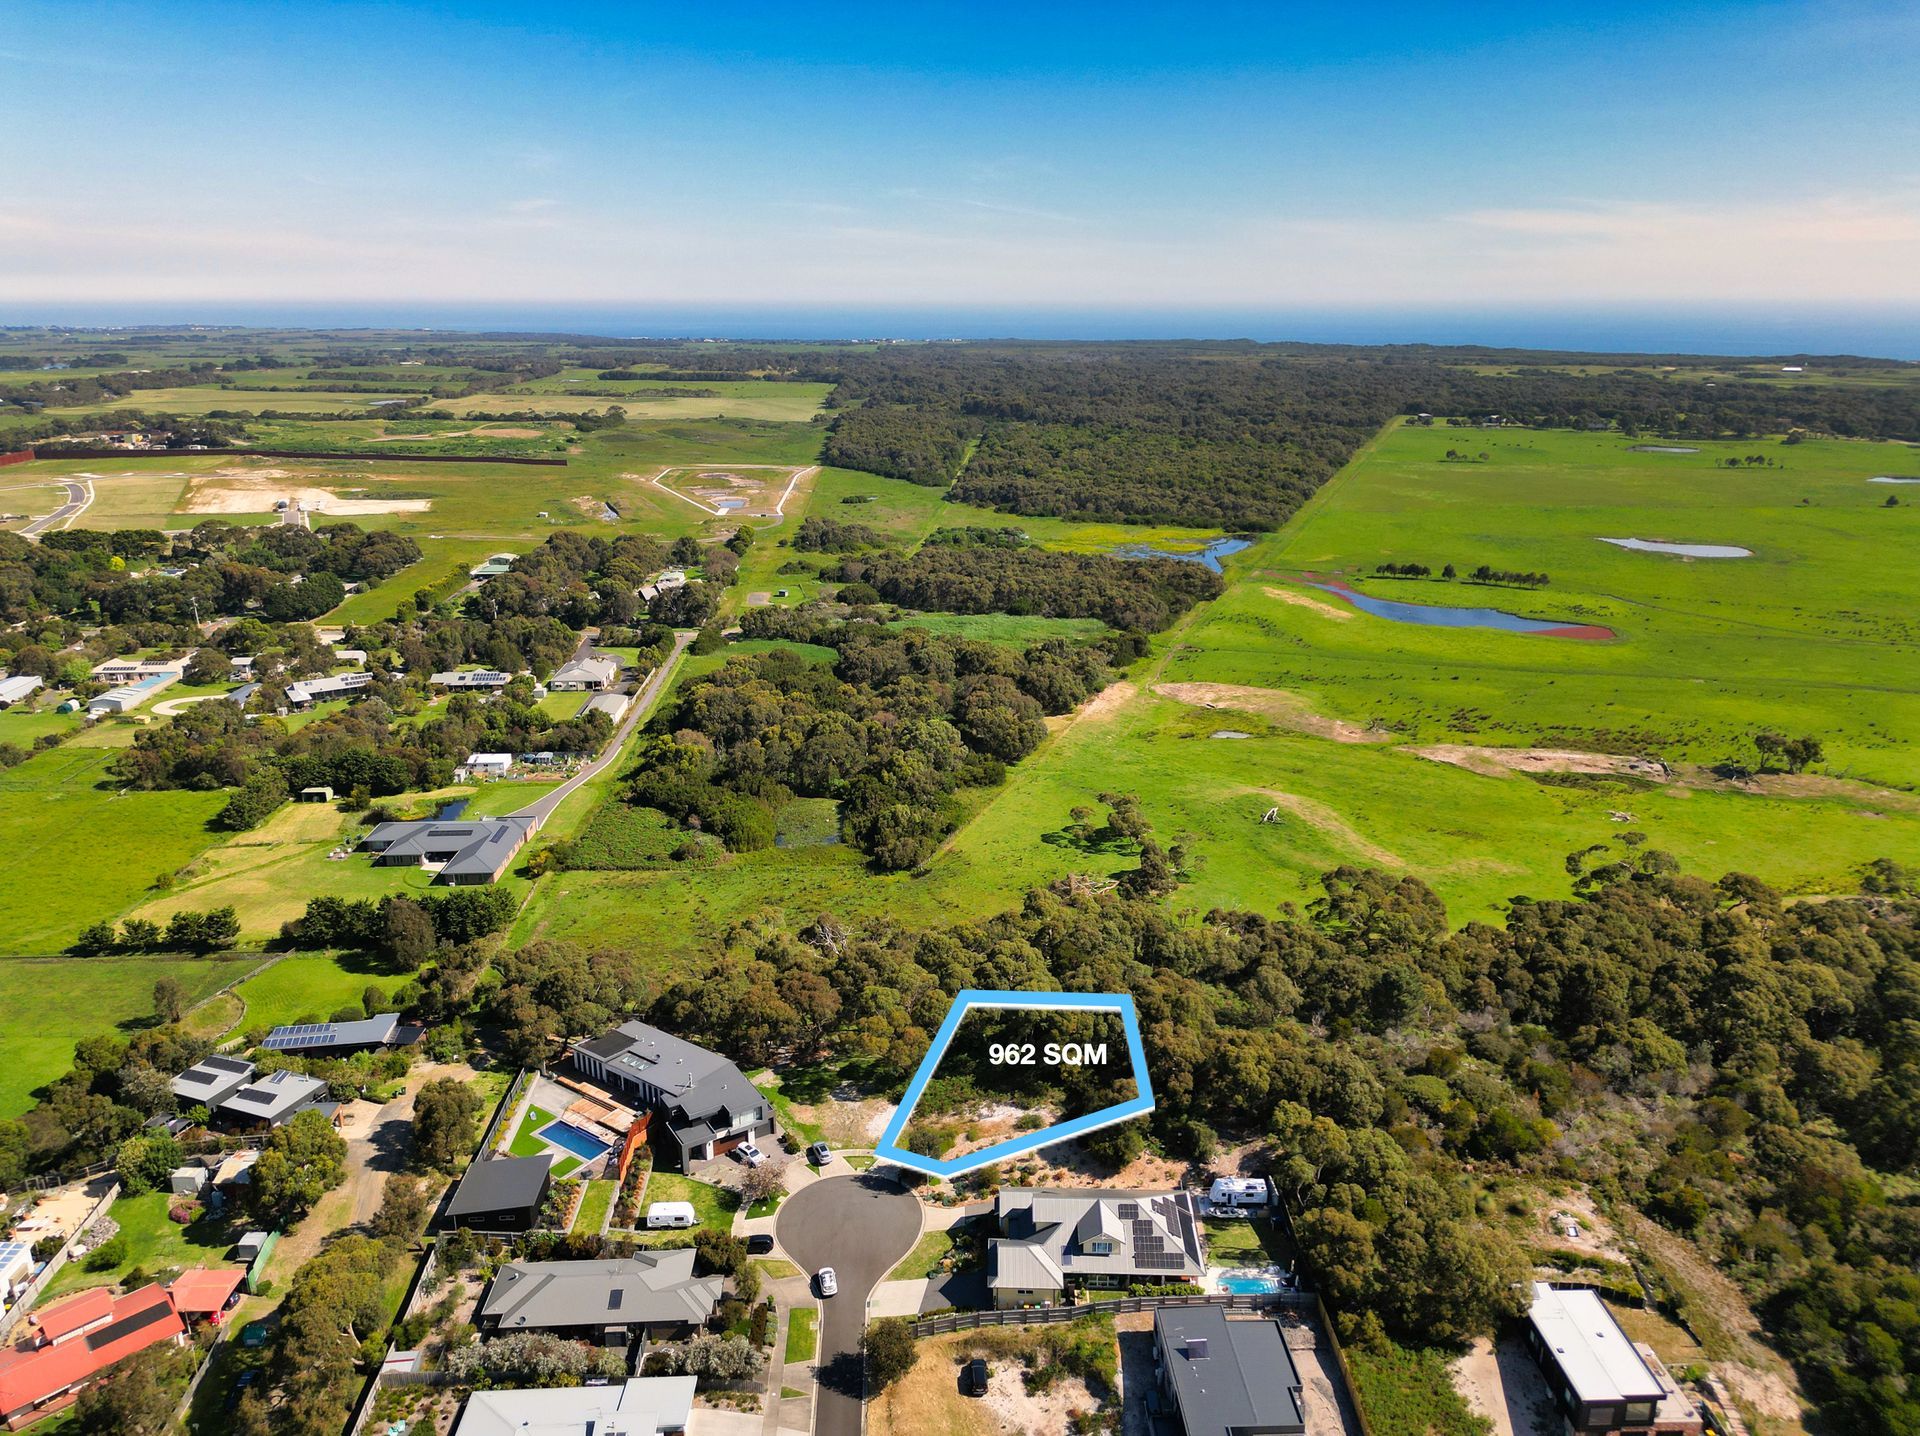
(126, 1326)
(305, 1034)
(1150, 1250)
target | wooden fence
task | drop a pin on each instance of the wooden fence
(1046, 1315)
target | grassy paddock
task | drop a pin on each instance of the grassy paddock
(90, 995)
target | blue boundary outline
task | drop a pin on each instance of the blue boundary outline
(889, 1148)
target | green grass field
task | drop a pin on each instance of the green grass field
(47, 1005)
(94, 850)
(712, 1206)
(595, 1203)
(304, 988)
(803, 1333)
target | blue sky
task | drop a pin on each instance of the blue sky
(1120, 156)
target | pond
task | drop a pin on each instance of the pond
(1685, 550)
(1433, 615)
(1661, 449)
(1894, 479)
(1209, 556)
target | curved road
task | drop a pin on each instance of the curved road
(861, 1226)
(543, 808)
(79, 495)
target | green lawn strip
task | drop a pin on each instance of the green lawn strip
(803, 1336)
(775, 1268)
(765, 1207)
(155, 1243)
(712, 1206)
(527, 1142)
(860, 1161)
(1408, 1391)
(925, 1258)
(594, 1206)
(1254, 1242)
(310, 988)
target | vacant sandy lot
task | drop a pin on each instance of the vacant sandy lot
(1498, 762)
(256, 491)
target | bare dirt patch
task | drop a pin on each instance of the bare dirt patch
(733, 490)
(1500, 1382)
(1498, 762)
(927, 1401)
(506, 431)
(1597, 1237)
(593, 508)
(1326, 820)
(256, 491)
(1283, 709)
(1300, 600)
(1107, 702)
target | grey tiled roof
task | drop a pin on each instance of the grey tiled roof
(648, 1288)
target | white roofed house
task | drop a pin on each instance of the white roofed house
(472, 680)
(15, 689)
(321, 690)
(485, 765)
(1602, 1381)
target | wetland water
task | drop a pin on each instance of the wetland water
(1685, 550)
(1895, 479)
(1661, 449)
(1209, 556)
(1433, 615)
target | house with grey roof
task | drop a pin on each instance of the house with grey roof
(272, 1101)
(594, 673)
(652, 1295)
(614, 705)
(638, 1406)
(467, 851)
(1217, 1377)
(1055, 1241)
(501, 1194)
(210, 1082)
(701, 1104)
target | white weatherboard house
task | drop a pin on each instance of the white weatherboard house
(487, 765)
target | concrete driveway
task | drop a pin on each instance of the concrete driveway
(861, 1226)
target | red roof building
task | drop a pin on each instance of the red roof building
(72, 1341)
(205, 1290)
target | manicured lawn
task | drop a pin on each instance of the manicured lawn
(155, 1243)
(925, 1257)
(48, 1005)
(775, 1269)
(95, 848)
(712, 1206)
(803, 1333)
(527, 1141)
(1254, 1242)
(594, 1206)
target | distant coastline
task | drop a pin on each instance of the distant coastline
(1886, 333)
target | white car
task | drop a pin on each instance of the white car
(750, 1154)
(829, 1283)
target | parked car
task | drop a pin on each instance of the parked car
(828, 1283)
(750, 1154)
(819, 1154)
(975, 1381)
(759, 1244)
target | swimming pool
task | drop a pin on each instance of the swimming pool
(1249, 1285)
(572, 1139)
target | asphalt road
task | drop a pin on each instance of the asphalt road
(78, 497)
(543, 808)
(861, 1226)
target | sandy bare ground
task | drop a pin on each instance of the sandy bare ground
(1285, 710)
(1597, 1237)
(758, 489)
(1104, 704)
(1300, 600)
(1729, 1331)
(1498, 762)
(255, 491)
(1500, 1382)
(1319, 816)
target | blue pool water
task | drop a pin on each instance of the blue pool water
(560, 1134)
(1208, 557)
(1248, 1285)
(1435, 615)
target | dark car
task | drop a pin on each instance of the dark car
(759, 1244)
(973, 1380)
(819, 1154)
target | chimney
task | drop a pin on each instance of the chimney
(1197, 1348)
